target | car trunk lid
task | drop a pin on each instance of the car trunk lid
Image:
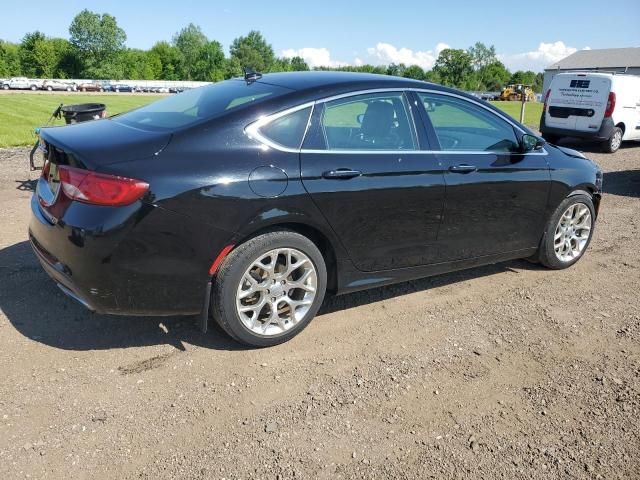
(97, 143)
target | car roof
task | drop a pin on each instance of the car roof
(301, 81)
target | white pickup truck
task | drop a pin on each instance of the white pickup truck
(21, 83)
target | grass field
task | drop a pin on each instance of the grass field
(21, 113)
(532, 112)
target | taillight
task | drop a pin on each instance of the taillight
(99, 188)
(546, 100)
(611, 105)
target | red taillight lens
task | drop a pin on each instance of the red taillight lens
(611, 105)
(546, 99)
(99, 188)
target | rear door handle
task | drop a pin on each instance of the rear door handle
(463, 168)
(342, 173)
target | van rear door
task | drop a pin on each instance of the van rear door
(577, 102)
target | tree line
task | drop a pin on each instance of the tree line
(96, 49)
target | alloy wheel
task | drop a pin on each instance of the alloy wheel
(616, 140)
(572, 232)
(276, 291)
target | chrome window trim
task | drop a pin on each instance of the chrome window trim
(252, 130)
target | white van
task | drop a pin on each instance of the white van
(599, 106)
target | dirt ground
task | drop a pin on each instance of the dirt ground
(508, 371)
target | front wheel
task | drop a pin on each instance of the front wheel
(268, 289)
(615, 140)
(568, 232)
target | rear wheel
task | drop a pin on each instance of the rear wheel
(615, 140)
(268, 289)
(568, 232)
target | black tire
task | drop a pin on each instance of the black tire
(5, 87)
(554, 139)
(615, 140)
(33, 88)
(231, 271)
(546, 252)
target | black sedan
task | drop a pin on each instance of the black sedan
(246, 200)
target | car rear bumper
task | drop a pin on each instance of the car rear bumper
(604, 133)
(135, 260)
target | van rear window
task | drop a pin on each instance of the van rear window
(204, 103)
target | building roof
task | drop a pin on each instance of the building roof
(604, 58)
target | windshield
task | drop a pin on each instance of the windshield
(202, 103)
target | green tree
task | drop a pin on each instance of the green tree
(413, 71)
(453, 67)
(67, 63)
(190, 41)
(37, 56)
(210, 63)
(526, 78)
(481, 57)
(494, 76)
(98, 40)
(396, 69)
(9, 60)
(170, 61)
(253, 51)
(299, 65)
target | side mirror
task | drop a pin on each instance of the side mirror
(529, 143)
(360, 118)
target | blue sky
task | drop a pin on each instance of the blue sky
(375, 31)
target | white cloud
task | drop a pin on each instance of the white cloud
(536, 60)
(381, 54)
(315, 57)
(385, 53)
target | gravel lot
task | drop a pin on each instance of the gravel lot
(507, 371)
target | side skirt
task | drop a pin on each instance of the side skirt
(352, 280)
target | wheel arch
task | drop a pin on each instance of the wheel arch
(320, 237)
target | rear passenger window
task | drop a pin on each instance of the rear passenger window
(287, 130)
(368, 122)
(463, 125)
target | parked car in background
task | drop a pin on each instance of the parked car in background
(21, 83)
(90, 87)
(122, 87)
(51, 85)
(597, 106)
(247, 199)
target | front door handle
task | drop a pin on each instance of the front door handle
(342, 173)
(463, 168)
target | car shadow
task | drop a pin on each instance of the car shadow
(589, 146)
(40, 311)
(624, 183)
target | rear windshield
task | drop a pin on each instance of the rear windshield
(202, 103)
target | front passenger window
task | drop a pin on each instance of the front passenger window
(462, 125)
(377, 121)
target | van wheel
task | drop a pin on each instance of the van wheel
(615, 140)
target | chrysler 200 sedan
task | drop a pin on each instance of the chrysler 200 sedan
(248, 199)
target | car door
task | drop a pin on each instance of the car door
(382, 196)
(496, 194)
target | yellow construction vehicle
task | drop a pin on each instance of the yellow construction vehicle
(514, 92)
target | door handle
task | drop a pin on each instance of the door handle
(463, 168)
(342, 173)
